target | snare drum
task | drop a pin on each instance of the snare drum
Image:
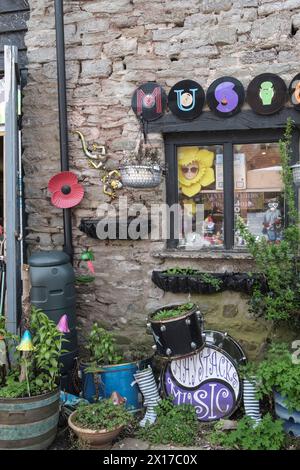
(179, 336)
(209, 379)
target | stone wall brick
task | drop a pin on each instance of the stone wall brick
(112, 47)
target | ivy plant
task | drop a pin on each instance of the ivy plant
(278, 263)
(267, 435)
(174, 425)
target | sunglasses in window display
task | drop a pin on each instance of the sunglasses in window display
(225, 96)
(186, 99)
(294, 92)
(267, 93)
(194, 169)
(149, 101)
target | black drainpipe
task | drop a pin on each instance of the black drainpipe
(63, 121)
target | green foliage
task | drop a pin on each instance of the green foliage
(277, 372)
(102, 348)
(102, 415)
(267, 435)
(174, 425)
(278, 262)
(165, 314)
(43, 362)
(204, 277)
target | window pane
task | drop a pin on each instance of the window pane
(200, 171)
(258, 190)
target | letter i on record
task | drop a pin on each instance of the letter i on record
(186, 99)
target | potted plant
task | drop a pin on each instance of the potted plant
(278, 375)
(141, 168)
(98, 424)
(107, 370)
(167, 321)
(29, 393)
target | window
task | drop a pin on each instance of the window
(220, 175)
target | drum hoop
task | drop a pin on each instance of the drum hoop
(230, 339)
(168, 320)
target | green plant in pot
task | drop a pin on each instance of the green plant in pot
(99, 423)
(278, 377)
(30, 384)
(165, 322)
(108, 370)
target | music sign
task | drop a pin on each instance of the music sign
(208, 380)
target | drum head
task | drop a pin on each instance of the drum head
(223, 341)
(209, 380)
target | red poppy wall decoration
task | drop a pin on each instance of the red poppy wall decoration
(65, 189)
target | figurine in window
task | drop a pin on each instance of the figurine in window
(209, 226)
(272, 222)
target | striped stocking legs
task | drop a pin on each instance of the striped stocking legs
(251, 403)
(146, 382)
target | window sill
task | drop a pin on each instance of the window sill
(188, 254)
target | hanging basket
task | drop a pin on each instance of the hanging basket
(140, 176)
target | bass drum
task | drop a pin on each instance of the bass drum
(208, 379)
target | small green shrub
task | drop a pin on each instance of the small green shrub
(102, 415)
(174, 425)
(277, 372)
(43, 363)
(102, 348)
(165, 314)
(206, 278)
(267, 435)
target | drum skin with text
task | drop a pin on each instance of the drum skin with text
(208, 379)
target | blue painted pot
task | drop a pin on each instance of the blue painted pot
(291, 418)
(115, 378)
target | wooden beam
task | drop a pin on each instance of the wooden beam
(13, 5)
(14, 22)
(209, 122)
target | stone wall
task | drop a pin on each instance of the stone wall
(111, 47)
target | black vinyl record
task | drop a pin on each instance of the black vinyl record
(267, 93)
(186, 99)
(225, 96)
(294, 91)
(149, 101)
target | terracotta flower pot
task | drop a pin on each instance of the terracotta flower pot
(95, 439)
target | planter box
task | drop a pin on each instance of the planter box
(117, 226)
(194, 283)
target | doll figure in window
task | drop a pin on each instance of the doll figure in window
(272, 222)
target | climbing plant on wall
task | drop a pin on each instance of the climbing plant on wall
(278, 262)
